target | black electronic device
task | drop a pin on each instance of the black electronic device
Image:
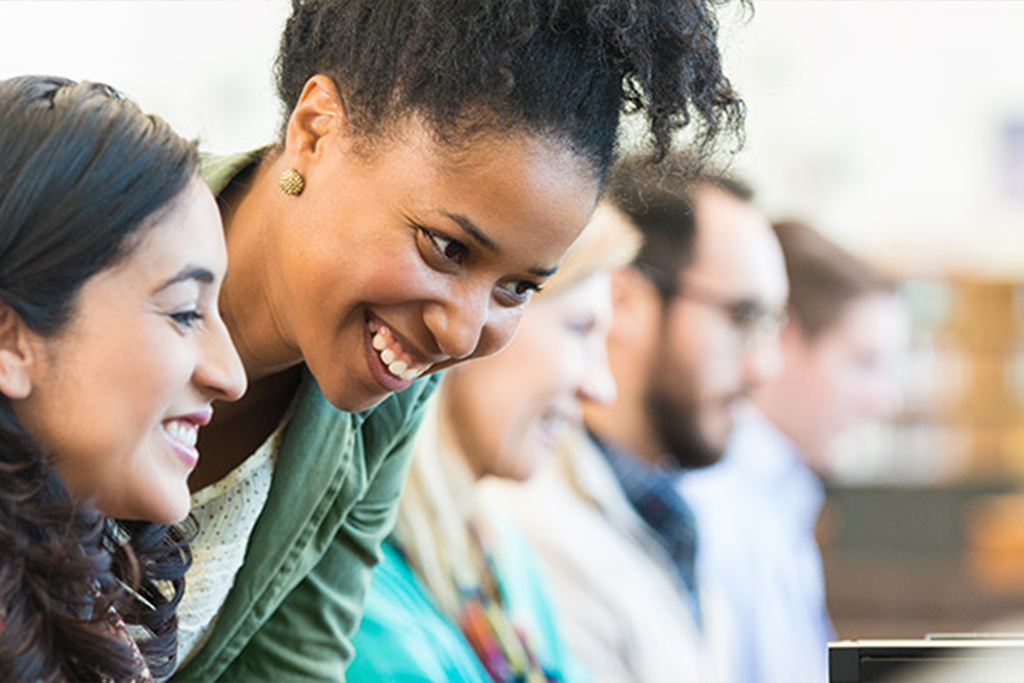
(939, 658)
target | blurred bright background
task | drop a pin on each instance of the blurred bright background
(896, 128)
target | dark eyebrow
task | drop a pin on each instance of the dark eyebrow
(197, 273)
(478, 235)
(471, 229)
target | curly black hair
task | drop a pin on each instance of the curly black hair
(565, 68)
(82, 172)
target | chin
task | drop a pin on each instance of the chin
(171, 510)
(350, 402)
(526, 465)
(172, 514)
(519, 474)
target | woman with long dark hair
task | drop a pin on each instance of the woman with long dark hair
(111, 353)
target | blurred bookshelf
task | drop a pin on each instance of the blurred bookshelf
(923, 529)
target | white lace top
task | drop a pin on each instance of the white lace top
(227, 512)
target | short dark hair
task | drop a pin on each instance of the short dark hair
(659, 200)
(83, 173)
(565, 68)
(823, 277)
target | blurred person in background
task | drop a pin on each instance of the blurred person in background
(460, 595)
(695, 328)
(757, 509)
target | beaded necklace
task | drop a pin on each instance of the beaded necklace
(503, 649)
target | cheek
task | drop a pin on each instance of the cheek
(476, 404)
(382, 282)
(700, 348)
(568, 364)
(499, 331)
(546, 360)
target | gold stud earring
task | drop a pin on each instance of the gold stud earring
(292, 183)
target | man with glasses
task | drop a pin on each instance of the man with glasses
(695, 329)
(757, 508)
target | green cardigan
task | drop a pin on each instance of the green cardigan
(299, 595)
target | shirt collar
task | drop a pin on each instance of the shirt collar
(653, 493)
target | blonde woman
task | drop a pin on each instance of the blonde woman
(459, 596)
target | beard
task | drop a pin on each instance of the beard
(675, 411)
(674, 418)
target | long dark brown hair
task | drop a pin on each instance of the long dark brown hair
(82, 172)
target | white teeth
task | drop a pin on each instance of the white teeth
(185, 432)
(396, 366)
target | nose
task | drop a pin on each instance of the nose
(219, 372)
(598, 382)
(457, 322)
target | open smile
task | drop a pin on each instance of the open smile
(183, 435)
(182, 432)
(398, 366)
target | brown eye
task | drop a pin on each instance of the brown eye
(519, 291)
(449, 249)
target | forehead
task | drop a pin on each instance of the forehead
(530, 192)
(186, 231)
(735, 249)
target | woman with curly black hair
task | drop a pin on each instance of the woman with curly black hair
(437, 160)
(111, 353)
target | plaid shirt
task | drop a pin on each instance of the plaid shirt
(653, 494)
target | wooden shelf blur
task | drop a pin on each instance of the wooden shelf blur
(981, 334)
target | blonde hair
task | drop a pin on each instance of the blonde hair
(440, 503)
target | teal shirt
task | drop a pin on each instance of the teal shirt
(405, 636)
(333, 500)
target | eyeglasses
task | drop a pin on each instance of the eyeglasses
(748, 316)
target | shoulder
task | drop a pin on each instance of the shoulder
(218, 169)
(404, 636)
(377, 429)
(398, 408)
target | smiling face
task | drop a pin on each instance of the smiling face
(411, 258)
(117, 398)
(511, 410)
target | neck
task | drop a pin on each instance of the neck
(625, 424)
(775, 404)
(252, 211)
(239, 428)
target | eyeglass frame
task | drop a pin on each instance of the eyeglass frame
(748, 316)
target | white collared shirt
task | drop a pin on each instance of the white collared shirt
(756, 513)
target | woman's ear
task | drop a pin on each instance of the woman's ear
(318, 112)
(16, 354)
